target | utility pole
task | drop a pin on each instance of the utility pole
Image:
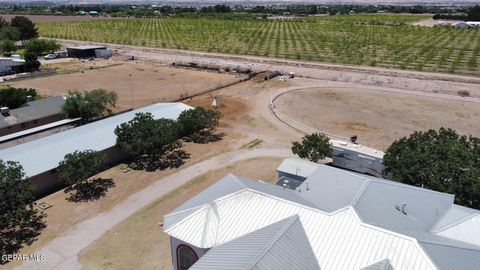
(131, 90)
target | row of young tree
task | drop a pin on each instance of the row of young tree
(439, 160)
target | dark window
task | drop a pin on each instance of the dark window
(23, 125)
(35, 121)
(186, 257)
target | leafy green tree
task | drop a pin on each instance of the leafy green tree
(20, 223)
(76, 169)
(3, 22)
(26, 27)
(197, 120)
(89, 105)
(143, 136)
(440, 160)
(313, 147)
(8, 46)
(32, 63)
(10, 33)
(12, 97)
(15, 97)
(473, 13)
(41, 46)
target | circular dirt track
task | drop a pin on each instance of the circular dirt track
(378, 118)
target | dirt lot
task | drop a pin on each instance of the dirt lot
(378, 118)
(52, 18)
(152, 247)
(148, 83)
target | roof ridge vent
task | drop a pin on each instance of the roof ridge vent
(401, 208)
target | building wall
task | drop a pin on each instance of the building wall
(175, 243)
(49, 182)
(30, 124)
(351, 160)
(292, 176)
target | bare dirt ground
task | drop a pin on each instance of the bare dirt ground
(137, 84)
(378, 118)
(378, 105)
(152, 246)
(400, 80)
(53, 18)
(64, 215)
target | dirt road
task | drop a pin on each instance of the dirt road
(62, 252)
(366, 76)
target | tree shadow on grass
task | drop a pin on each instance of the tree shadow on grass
(169, 160)
(204, 137)
(91, 190)
(22, 230)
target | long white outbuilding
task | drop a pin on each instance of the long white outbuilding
(41, 157)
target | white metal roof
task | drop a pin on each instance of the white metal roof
(37, 129)
(282, 245)
(44, 154)
(361, 149)
(298, 167)
(375, 200)
(87, 47)
(340, 239)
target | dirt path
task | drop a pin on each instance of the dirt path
(62, 252)
(399, 79)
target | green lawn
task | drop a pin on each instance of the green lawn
(384, 40)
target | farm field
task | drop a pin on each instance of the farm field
(386, 40)
(53, 18)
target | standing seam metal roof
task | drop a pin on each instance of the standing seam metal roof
(340, 240)
(282, 246)
(44, 154)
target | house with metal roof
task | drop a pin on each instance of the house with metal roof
(335, 219)
(31, 114)
(41, 157)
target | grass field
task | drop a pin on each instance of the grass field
(374, 40)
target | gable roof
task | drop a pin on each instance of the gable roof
(44, 154)
(380, 265)
(232, 183)
(298, 167)
(340, 239)
(282, 245)
(377, 201)
(33, 110)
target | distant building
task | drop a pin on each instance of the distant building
(473, 23)
(85, 51)
(40, 158)
(32, 114)
(462, 25)
(94, 13)
(335, 220)
(9, 65)
(467, 24)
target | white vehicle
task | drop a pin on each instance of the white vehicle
(50, 56)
